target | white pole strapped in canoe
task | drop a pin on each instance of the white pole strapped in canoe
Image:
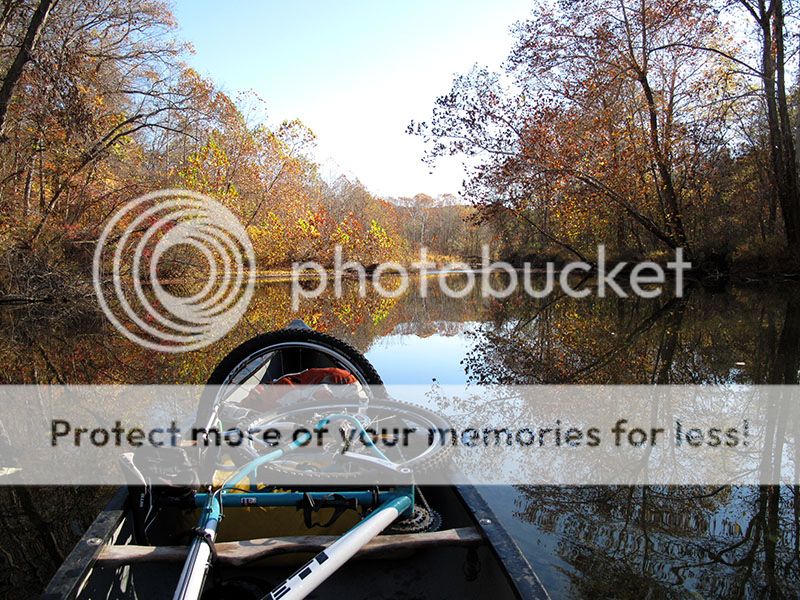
(195, 569)
(326, 563)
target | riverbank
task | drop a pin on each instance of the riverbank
(55, 286)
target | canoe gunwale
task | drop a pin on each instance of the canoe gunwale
(520, 574)
(67, 581)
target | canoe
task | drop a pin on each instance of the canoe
(471, 556)
(468, 555)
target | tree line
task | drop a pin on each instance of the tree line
(641, 124)
(97, 106)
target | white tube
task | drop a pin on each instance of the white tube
(196, 576)
(195, 569)
(326, 563)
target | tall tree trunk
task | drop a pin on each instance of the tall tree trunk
(786, 368)
(26, 194)
(6, 13)
(42, 203)
(674, 217)
(24, 55)
(787, 141)
(782, 151)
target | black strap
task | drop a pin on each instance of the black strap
(206, 537)
(339, 504)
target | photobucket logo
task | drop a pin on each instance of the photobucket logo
(139, 239)
(644, 279)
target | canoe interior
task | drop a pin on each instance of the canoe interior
(446, 572)
(496, 569)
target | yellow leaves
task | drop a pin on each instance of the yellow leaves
(381, 312)
(209, 170)
(308, 227)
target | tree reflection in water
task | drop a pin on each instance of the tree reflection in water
(620, 542)
(635, 542)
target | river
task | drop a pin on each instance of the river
(621, 542)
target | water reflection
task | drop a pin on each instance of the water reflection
(744, 335)
(634, 542)
(592, 542)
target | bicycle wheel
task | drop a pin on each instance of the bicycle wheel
(268, 356)
(386, 420)
(272, 355)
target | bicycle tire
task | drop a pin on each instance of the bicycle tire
(435, 459)
(250, 349)
(263, 342)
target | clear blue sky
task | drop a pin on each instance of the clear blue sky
(356, 72)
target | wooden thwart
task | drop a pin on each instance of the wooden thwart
(240, 553)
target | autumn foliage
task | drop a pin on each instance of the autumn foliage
(644, 125)
(97, 108)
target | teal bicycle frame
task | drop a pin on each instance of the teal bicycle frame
(387, 505)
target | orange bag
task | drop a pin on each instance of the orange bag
(258, 400)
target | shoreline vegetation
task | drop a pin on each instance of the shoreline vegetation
(664, 135)
(735, 275)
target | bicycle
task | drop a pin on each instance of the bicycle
(261, 360)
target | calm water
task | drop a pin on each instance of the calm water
(618, 542)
